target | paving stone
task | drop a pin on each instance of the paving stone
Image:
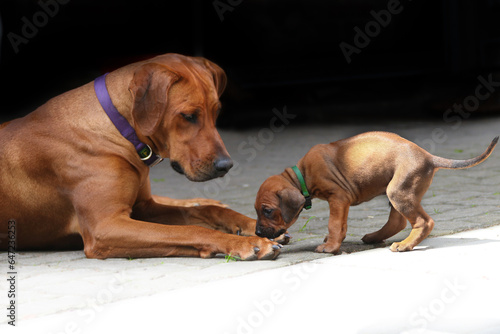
(458, 200)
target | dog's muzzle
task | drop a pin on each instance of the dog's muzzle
(222, 166)
(177, 167)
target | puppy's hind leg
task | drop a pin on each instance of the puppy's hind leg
(395, 224)
(405, 196)
(422, 225)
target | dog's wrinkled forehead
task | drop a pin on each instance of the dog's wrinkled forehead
(201, 73)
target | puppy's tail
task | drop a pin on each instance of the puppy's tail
(460, 164)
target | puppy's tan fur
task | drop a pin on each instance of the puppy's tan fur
(355, 170)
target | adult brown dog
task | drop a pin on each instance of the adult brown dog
(351, 171)
(70, 179)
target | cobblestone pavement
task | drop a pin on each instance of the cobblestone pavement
(458, 200)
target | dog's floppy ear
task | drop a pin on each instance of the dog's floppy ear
(218, 74)
(149, 89)
(291, 203)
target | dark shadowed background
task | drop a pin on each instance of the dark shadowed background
(326, 60)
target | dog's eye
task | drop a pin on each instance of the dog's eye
(191, 118)
(267, 212)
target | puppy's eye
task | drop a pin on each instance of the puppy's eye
(267, 212)
(191, 118)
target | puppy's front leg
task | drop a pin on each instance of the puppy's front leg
(337, 226)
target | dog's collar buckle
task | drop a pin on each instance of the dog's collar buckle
(145, 153)
(150, 159)
(157, 160)
(308, 202)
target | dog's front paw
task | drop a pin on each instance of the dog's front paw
(244, 227)
(400, 247)
(255, 248)
(283, 239)
(328, 248)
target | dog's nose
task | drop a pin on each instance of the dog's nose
(223, 165)
(177, 167)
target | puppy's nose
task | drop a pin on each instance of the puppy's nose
(223, 165)
(258, 230)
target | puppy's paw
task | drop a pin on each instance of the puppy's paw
(328, 248)
(400, 247)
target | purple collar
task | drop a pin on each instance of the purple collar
(145, 152)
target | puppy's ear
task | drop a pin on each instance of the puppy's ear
(291, 203)
(149, 89)
(218, 74)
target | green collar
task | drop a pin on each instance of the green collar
(308, 203)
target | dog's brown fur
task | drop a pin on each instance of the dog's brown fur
(355, 170)
(69, 179)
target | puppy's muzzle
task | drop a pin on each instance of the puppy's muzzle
(267, 232)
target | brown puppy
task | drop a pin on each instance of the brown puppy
(70, 179)
(355, 170)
